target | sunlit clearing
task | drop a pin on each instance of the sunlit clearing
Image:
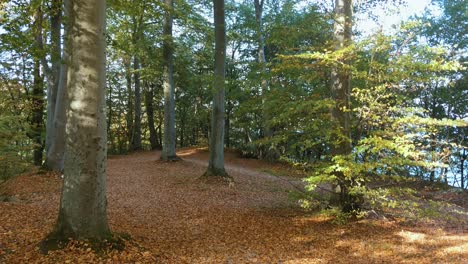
(411, 237)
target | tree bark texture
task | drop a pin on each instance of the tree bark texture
(136, 138)
(82, 213)
(129, 114)
(340, 89)
(341, 78)
(54, 75)
(149, 94)
(37, 92)
(169, 136)
(56, 130)
(216, 160)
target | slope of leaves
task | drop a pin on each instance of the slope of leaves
(173, 217)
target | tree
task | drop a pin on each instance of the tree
(56, 99)
(37, 95)
(82, 213)
(340, 88)
(169, 137)
(216, 160)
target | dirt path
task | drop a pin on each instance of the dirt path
(173, 217)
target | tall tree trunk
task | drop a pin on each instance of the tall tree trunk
(82, 213)
(37, 92)
(56, 105)
(267, 152)
(136, 138)
(150, 113)
(129, 115)
(216, 161)
(261, 42)
(54, 75)
(340, 89)
(169, 136)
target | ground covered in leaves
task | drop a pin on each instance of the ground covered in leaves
(169, 215)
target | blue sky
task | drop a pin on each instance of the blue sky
(387, 18)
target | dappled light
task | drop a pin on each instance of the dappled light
(233, 131)
(172, 217)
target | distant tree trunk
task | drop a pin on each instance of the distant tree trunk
(136, 138)
(56, 149)
(268, 152)
(462, 167)
(129, 115)
(340, 89)
(228, 124)
(261, 42)
(150, 113)
(111, 136)
(37, 92)
(53, 77)
(216, 161)
(169, 136)
(82, 213)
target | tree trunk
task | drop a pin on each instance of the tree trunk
(216, 160)
(150, 113)
(37, 92)
(53, 77)
(462, 167)
(169, 136)
(129, 115)
(340, 89)
(267, 152)
(55, 152)
(136, 138)
(82, 213)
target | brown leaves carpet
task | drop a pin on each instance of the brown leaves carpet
(174, 217)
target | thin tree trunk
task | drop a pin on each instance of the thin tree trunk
(136, 138)
(129, 116)
(462, 167)
(82, 213)
(216, 160)
(169, 136)
(37, 92)
(150, 113)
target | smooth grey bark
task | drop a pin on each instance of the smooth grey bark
(136, 137)
(340, 78)
(54, 75)
(82, 213)
(216, 160)
(169, 136)
(340, 88)
(56, 105)
(261, 41)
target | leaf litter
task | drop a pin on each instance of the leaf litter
(171, 216)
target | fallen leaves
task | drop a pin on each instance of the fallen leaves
(173, 217)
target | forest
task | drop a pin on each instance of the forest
(233, 131)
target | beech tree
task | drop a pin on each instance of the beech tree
(340, 88)
(216, 160)
(169, 137)
(56, 90)
(82, 213)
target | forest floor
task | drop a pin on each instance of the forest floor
(171, 216)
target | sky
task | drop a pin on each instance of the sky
(387, 18)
